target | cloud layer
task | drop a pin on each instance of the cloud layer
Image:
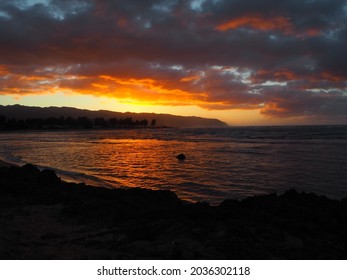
(286, 58)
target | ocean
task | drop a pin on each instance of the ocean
(222, 163)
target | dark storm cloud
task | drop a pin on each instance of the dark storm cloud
(285, 57)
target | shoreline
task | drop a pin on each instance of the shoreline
(44, 217)
(6, 164)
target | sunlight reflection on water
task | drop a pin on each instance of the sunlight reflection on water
(217, 167)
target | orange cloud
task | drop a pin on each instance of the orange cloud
(313, 32)
(3, 70)
(286, 75)
(14, 83)
(148, 91)
(274, 108)
(123, 88)
(100, 86)
(190, 78)
(258, 22)
(331, 77)
(282, 75)
(122, 22)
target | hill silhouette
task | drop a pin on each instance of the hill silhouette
(26, 112)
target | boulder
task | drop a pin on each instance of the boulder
(49, 177)
(181, 157)
(30, 173)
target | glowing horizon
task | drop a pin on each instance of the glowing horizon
(242, 64)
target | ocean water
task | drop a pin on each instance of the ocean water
(223, 163)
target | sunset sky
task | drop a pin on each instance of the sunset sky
(245, 62)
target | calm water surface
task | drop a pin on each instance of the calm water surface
(221, 163)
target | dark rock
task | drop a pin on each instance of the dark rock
(181, 157)
(49, 177)
(30, 172)
(89, 222)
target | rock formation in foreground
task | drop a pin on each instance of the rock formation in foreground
(45, 218)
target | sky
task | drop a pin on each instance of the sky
(256, 62)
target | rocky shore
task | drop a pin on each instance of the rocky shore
(42, 217)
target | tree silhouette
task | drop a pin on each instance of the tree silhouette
(100, 122)
(71, 123)
(2, 121)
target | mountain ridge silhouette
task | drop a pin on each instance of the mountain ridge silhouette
(162, 120)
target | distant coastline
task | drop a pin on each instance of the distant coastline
(50, 117)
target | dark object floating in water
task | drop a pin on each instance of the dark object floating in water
(181, 157)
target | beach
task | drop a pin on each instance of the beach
(43, 217)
